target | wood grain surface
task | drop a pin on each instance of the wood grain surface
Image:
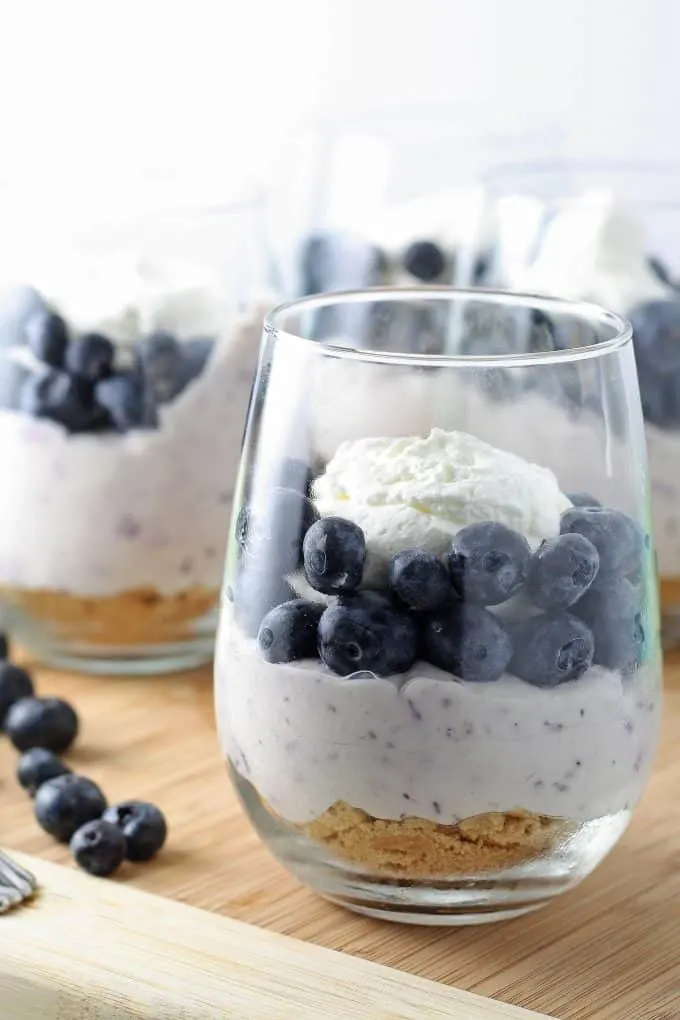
(610, 950)
(122, 954)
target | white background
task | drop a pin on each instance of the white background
(104, 90)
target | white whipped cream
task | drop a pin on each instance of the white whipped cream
(416, 493)
(592, 250)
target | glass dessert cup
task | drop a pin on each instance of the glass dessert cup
(437, 674)
(126, 361)
(610, 233)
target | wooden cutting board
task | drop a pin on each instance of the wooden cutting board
(610, 950)
(94, 950)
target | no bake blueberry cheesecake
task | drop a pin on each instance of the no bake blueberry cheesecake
(432, 661)
(124, 385)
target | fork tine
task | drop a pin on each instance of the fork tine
(15, 878)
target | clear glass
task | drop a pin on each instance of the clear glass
(437, 680)
(610, 233)
(389, 196)
(127, 354)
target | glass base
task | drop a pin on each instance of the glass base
(463, 899)
(67, 653)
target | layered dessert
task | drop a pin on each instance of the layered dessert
(432, 661)
(595, 248)
(123, 388)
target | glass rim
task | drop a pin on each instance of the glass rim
(585, 310)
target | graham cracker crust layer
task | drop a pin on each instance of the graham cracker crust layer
(137, 616)
(418, 848)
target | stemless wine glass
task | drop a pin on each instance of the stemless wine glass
(127, 354)
(609, 232)
(437, 668)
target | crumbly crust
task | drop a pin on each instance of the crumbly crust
(418, 848)
(137, 616)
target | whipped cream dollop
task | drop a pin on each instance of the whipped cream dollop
(593, 249)
(417, 492)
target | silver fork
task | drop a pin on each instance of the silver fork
(16, 883)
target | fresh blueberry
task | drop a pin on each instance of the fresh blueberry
(159, 361)
(616, 537)
(123, 398)
(334, 553)
(90, 357)
(15, 684)
(195, 354)
(488, 563)
(425, 260)
(41, 722)
(582, 499)
(561, 571)
(37, 766)
(419, 579)
(4, 650)
(98, 847)
(656, 335)
(143, 825)
(612, 610)
(288, 632)
(47, 337)
(61, 398)
(551, 649)
(368, 635)
(468, 641)
(63, 804)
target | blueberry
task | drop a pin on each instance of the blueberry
(98, 847)
(656, 335)
(4, 650)
(143, 825)
(195, 354)
(551, 649)
(367, 635)
(63, 804)
(15, 684)
(47, 337)
(90, 357)
(468, 641)
(159, 362)
(123, 398)
(660, 396)
(288, 632)
(37, 766)
(616, 537)
(334, 553)
(419, 579)
(582, 499)
(61, 398)
(612, 610)
(41, 722)
(425, 260)
(561, 571)
(488, 563)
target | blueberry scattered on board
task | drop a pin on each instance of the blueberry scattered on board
(70, 807)
(572, 602)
